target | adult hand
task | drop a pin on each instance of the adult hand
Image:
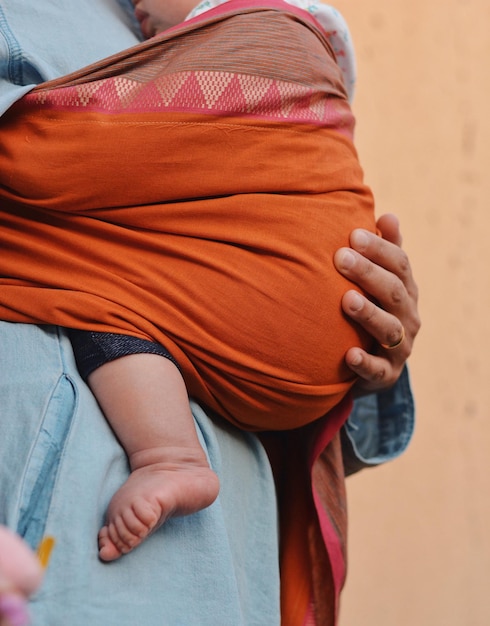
(381, 268)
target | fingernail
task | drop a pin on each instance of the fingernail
(347, 259)
(360, 238)
(356, 303)
(356, 360)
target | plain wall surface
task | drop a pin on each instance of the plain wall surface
(419, 543)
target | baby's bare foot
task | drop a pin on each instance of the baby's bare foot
(152, 494)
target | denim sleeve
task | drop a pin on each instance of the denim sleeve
(380, 427)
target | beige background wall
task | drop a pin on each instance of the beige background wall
(420, 527)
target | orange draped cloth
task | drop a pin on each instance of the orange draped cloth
(194, 195)
(192, 191)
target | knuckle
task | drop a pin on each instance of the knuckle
(397, 292)
(412, 327)
(404, 263)
(394, 335)
(379, 376)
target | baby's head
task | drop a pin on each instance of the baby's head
(156, 16)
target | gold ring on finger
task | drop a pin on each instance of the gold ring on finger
(392, 346)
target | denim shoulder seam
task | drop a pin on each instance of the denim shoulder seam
(15, 58)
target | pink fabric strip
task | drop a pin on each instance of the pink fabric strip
(336, 418)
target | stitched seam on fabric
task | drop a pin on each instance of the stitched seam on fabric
(205, 124)
(44, 461)
(14, 63)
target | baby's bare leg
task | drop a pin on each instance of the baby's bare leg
(145, 400)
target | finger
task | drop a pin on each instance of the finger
(383, 253)
(389, 227)
(13, 610)
(384, 327)
(374, 372)
(18, 563)
(380, 283)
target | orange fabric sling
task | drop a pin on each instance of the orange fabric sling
(192, 191)
(195, 207)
